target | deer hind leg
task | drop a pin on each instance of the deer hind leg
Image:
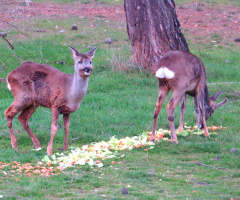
(10, 114)
(20, 88)
(54, 128)
(183, 109)
(23, 119)
(162, 95)
(171, 106)
(66, 122)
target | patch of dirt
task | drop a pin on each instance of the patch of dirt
(200, 20)
(15, 10)
(209, 23)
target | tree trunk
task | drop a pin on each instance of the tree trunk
(153, 29)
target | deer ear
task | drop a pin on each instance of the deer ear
(91, 52)
(218, 105)
(214, 97)
(74, 52)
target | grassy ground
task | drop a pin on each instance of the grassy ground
(121, 102)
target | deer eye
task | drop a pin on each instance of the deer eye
(80, 62)
(90, 62)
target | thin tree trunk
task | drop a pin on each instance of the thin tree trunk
(153, 29)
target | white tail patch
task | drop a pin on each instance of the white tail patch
(164, 72)
(9, 86)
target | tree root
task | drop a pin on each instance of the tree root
(201, 183)
(211, 166)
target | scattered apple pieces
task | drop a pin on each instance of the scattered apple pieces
(28, 169)
(187, 131)
(95, 153)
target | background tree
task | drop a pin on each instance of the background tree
(153, 29)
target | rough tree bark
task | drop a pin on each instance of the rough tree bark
(153, 29)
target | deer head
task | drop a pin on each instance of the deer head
(209, 107)
(83, 62)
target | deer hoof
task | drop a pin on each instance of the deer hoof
(152, 138)
(60, 149)
(207, 136)
(14, 147)
(180, 129)
(37, 145)
(49, 151)
(174, 141)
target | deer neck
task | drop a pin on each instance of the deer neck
(206, 100)
(206, 97)
(78, 88)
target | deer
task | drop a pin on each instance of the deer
(33, 84)
(183, 73)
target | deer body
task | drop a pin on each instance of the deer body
(184, 73)
(34, 85)
(62, 91)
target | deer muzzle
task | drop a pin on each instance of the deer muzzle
(86, 72)
(200, 126)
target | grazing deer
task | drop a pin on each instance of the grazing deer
(34, 85)
(184, 73)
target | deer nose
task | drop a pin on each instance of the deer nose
(87, 69)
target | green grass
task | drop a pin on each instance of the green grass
(121, 102)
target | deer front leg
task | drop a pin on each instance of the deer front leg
(54, 128)
(66, 122)
(162, 95)
(206, 133)
(183, 109)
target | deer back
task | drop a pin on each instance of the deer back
(181, 71)
(38, 83)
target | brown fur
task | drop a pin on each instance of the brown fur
(34, 85)
(189, 78)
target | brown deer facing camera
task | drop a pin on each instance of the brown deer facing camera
(184, 73)
(34, 85)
